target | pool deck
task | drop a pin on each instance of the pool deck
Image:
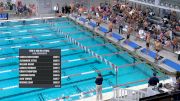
(109, 95)
(166, 54)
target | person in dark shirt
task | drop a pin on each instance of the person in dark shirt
(177, 85)
(63, 10)
(153, 81)
(69, 9)
(66, 9)
(99, 81)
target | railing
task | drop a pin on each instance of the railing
(115, 96)
(122, 94)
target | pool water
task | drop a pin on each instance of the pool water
(38, 34)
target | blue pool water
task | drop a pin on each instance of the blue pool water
(37, 34)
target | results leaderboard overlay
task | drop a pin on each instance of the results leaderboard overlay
(39, 68)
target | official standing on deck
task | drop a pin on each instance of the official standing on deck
(153, 81)
(99, 81)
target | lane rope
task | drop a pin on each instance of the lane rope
(71, 40)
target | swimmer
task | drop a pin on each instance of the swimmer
(24, 22)
(72, 7)
(80, 11)
(89, 17)
(129, 31)
(2, 24)
(138, 35)
(148, 37)
(110, 27)
(44, 21)
(99, 20)
(157, 48)
(168, 43)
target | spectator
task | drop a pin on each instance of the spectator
(72, 6)
(99, 81)
(177, 28)
(19, 7)
(56, 8)
(1, 7)
(145, 25)
(177, 74)
(33, 9)
(89, 17)
(13, 4)
(167, 43)
(123, 14)
(141, 34)
(63, 10)
(93, 10)
(177, 84)
(175, 44)
(120, 21)
(156, 32)
(69, 9)
(25, 9)
(169, 34)
(1, 4)
(66, 9)
(161, 37)
(173, 16)
(9, 4)
(29, 10)
(165, 21)
(80, 11)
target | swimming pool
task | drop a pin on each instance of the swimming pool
(75, 61)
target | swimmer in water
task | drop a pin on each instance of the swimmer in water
(24, 22)
(44, 20)
(2, 24)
